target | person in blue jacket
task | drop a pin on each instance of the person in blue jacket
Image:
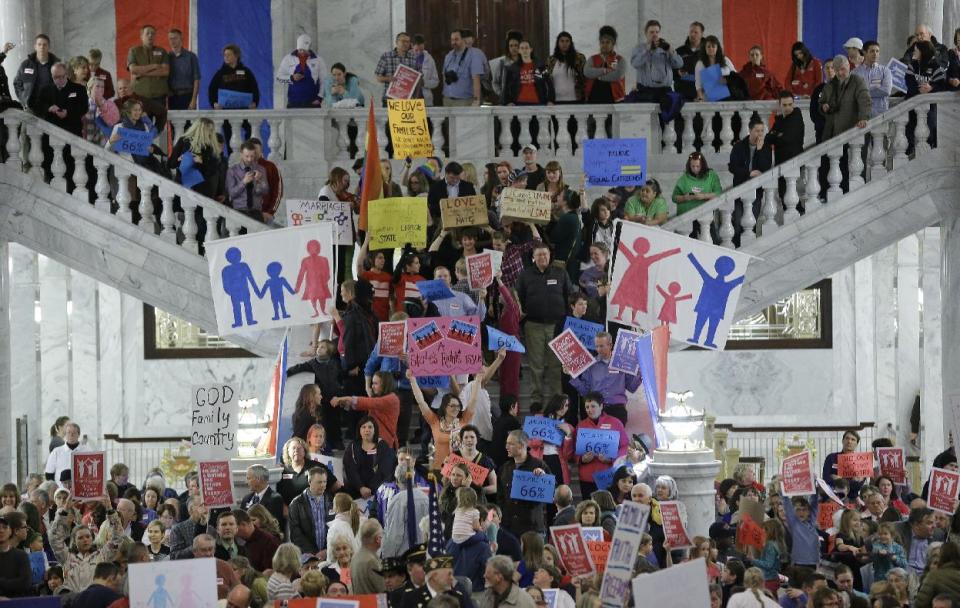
(801, 515)
(340, 85)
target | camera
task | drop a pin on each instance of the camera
(450, 77)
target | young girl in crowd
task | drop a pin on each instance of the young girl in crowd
(155, 545)
(466, 517)
(774, 554)
(849, 544)
(886, 552)
(405, 278)
(317, 443)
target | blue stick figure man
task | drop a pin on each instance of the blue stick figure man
(711, 306)
(275, 285)
(160, 598)
(237, 278)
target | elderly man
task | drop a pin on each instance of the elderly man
(845, 101)
(397, 541)
(62, 102)
(501, 590)
(203, 546)
(258, 480)
(519, 516)
(399, 55)
(183, 533)
(612, 384)
(365, 565)
(924, 33)
(439, 581)
(563, 501)
(309, 514)
(128, 520)
(61, 458)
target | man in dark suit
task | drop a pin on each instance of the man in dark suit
(451, 186)
(563, 501)
(440, 580)
(258, 480)
(748, 159)
(415, 558)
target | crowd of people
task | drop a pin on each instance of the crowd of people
(392, 523)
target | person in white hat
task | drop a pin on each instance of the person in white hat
(854, 48)
(303, 71)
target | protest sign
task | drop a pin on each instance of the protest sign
(585, 331)
(526, 205)
(592, 533)
(216, 483)
(369, 600)
(274, 278)
(625, 357)
(600, 442)
(464, 211)
(391, 337)
(615, 162)
(409, 131)
(234, 100)
(943, 489)
(572, 549)
(478, 474)
(441, 346)
(394, 222)
(660, 278)
(713, 87)
(550, 597)
(54, 601)
(434, 289)
(829, 491)
(599, 551)
(534, 488)
(683, 585)
(825, 512)
(190, 175)
(604, 479)
(480, 270)
(404, 83)
(574, 357)
(305, 211)
(496, 340)
(325, 602)
(750, 533)
(544, 429)
(892, 464)
(796, 475)
(89, 475)
(855, 464)
(133, 141)
(189, 582)
(624, 547)
(674, 530)
(38, 568)
(898, 74)
(334, 464)
(214, 415)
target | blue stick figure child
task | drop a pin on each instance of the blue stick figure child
(711, 306)
(275, 285)
(160, 598)
(237, 278)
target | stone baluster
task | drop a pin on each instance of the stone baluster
(768, 210)
(58, 167)
(275, 141)
(834, 175)
(547, 136)
(236, 139)
(563, 135)
(499, 144)
(436, 137)
(704, 234)
(525, 137)
(689, 136)
(80, 176)
(35, 155)
(670, 138)
(922, 131)
(726, 131)
(123, 193)
(811, 186)
(382, 140)
(900, 140)
(601, 126)
(147, 221)
(168, 228)
(878, 155)
(343, 137)
(747, 221)
(190, 225)
(581, 136)
(361, 137)
(726, 230)
(102, 187)
(791, 198)
(855, 163)
(13, 141)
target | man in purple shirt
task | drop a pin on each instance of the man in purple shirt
(612, 384)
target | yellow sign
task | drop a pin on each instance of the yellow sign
(394, 222)
(409, 132)
(464, 211)
(526, 205)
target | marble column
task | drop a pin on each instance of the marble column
(55, 398)
(864, 326)
(950, 336)
(24, 368)
(931, 386)
(82, 319)
(19, 24)
(908, 333)
(885, 333)
(8, 449)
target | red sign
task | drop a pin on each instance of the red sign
(599, 550)
(480, 270)
(478, 474)
(404, 84)
(216, 483)
(892, 464)
(573, 549)
(855, 465)
(392, 338)
(825, 514)
(571, 352)
(797, 475)
(89, 475)
(943, 491)
(750, 533)
(674, 532)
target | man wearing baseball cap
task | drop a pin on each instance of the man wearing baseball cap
(15, 574)
(535, 174)
(854, 48)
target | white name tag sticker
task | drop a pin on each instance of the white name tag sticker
(28, 70)
(71, 95)
(241, 72)
(157, 52)
(759, 75)
(551, 281)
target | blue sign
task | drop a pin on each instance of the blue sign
(496, 340)
(234, 100)
(38, 565)
(713, 89)
(615, 162)
(898, 74)
(624, 357)
(133, 141)
(598, 441)
(585, 331)
(604, 479)
(434, 290)
(190, 175)
(534, 488)
(543, 428)
(34, 602)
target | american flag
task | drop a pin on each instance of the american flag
(436, 545)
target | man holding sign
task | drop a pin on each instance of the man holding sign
(596, 454)
(521, 514)
(611, 383)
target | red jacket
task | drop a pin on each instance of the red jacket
(274, 183)
(618, 88)
(803, 81)
(608, 423)
(761, 83)
(385, 410)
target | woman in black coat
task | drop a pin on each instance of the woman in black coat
(359, 331)
(368, 462)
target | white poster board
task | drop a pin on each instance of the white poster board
(214, 420)
(189, 582)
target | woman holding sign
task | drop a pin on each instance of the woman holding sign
(452, 417)
(469, 436)
(132, 118)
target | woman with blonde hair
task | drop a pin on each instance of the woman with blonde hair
(264, 519)
(286, 566)
(200, 141)
(296, 465)
(346, 520)
(753, 596)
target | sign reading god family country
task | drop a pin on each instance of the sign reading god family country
(525, 205)
(394, 222)
(464, 211)
(214, 413)
(408, 128)
(615, 162)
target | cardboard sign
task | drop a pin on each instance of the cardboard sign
(526, 205)
(680, 586)
(434, 289)
(892, 464)
(599, 551)
(480, 270)
(496, 340)
(533, 488)
(189, 582)
(392, 338)
(674, 531)
(234, 100)
(572, 354)
(544, 429)
(478, 474)
(216, 483)
(440, 346)
(796, 475)
(214, 415)
(404, 83)
(898, 74)
(394, 222)
(599, 441)
(852, 465)
(306, 211)
(133, 141)
(572, 549)
(409, 131)
(622, 555)
(825, 513)
(464, 211)
(334, 464)
(625, 357)
(604, 479)
(750, 533)
(89, 475)
(829, 492)
(586, 331)
(943, 489)
(615, 162)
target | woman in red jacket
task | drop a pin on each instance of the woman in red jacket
(805, 72)
(590, 462)
(761, 83)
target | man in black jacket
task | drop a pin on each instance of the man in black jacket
(786, 136)
(690, 53)
(306, 532)
(748, 159)
(449, 187)
(62, 102)
(34, 73)
(520, 516)
(15, 576)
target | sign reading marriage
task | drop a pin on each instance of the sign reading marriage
(409, 131)
(214, 415)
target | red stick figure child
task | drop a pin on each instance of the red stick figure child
(315, 272)
(668, 312)
(632, 292)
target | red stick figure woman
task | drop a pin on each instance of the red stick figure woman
(315, 270)
(632, 292)
(668, 312)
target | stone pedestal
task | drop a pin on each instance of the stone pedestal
(694, 473)
(239, 466)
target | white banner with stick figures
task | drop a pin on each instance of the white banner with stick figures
(273, 278)
(662, 278)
